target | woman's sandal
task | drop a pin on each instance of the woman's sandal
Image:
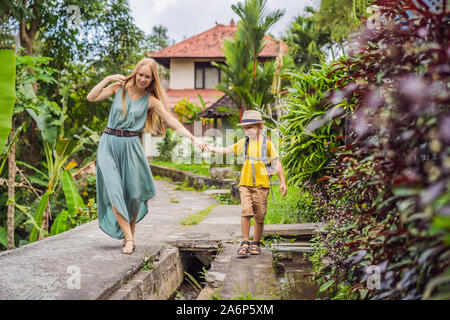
(124, 242)
(257, 249)
(242, 248)
(127, 250)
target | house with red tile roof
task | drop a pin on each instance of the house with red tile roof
(190, 66)
(191, 73)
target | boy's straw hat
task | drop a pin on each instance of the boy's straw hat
(251, 117)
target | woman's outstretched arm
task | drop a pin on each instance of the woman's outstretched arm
(173, 123)
(99, 92)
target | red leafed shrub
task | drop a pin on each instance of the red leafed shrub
(388, 199)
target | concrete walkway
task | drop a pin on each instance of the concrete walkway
(86, 264)
(49, 269)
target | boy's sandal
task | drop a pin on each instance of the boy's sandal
(127, 250)
(241, 254)
(257, 249)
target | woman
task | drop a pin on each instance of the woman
(124, 179)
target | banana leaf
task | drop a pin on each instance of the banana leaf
(48, 130)
(3, 237)
(73, 198)
(38, 216)
(7, 93)
(25, 210)
(60, 223)
(29, 166)
(64, 146)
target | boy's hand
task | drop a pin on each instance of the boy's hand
(283, 189)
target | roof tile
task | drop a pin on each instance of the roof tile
(209, 96)
(208, 45)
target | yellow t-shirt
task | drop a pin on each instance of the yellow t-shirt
(254, 149)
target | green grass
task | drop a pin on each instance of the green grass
(198, 216)
(245, 296)
(156, 177)
(184, 186)
(295, 207)
(201, 169)
(148, 263)
(227, 199)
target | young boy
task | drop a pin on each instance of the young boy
(254, 185)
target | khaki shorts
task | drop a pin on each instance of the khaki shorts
(254, 202)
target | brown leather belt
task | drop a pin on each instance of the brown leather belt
(122, 133)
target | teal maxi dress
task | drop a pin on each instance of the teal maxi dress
(124, 179)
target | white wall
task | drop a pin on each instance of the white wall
(149, 143)
(182, 74)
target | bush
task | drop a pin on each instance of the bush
(312, 124)
(166, 146)
(387, 202)
(295, 207)
(187, 111)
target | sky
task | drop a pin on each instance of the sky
(186, 18)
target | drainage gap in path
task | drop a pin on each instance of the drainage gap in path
(196, 262)
(293, 268)
(176, 271)
(196, 257)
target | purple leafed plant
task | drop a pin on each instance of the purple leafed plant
(388, 198)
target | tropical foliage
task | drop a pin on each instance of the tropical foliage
(386, 195)
(166, 146)
(246, 80)
(54, 126)
(187, 111)
(306, 39)
(313, 125)
(254, 24)
(365, 137)
(340, 18)
(7, 93)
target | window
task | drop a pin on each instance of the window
(206, 75)
(211, 77)
(198, 78)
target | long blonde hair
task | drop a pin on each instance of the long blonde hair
(153, 123)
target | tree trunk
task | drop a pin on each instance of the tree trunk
(254, 68)
(26, 40)
(342, 47)
(27, 34)
(240, 108)
(12, 169)
(332, 53)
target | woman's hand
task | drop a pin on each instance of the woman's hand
(116, 78)
(99, 92)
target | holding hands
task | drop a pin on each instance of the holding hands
(202, 146)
